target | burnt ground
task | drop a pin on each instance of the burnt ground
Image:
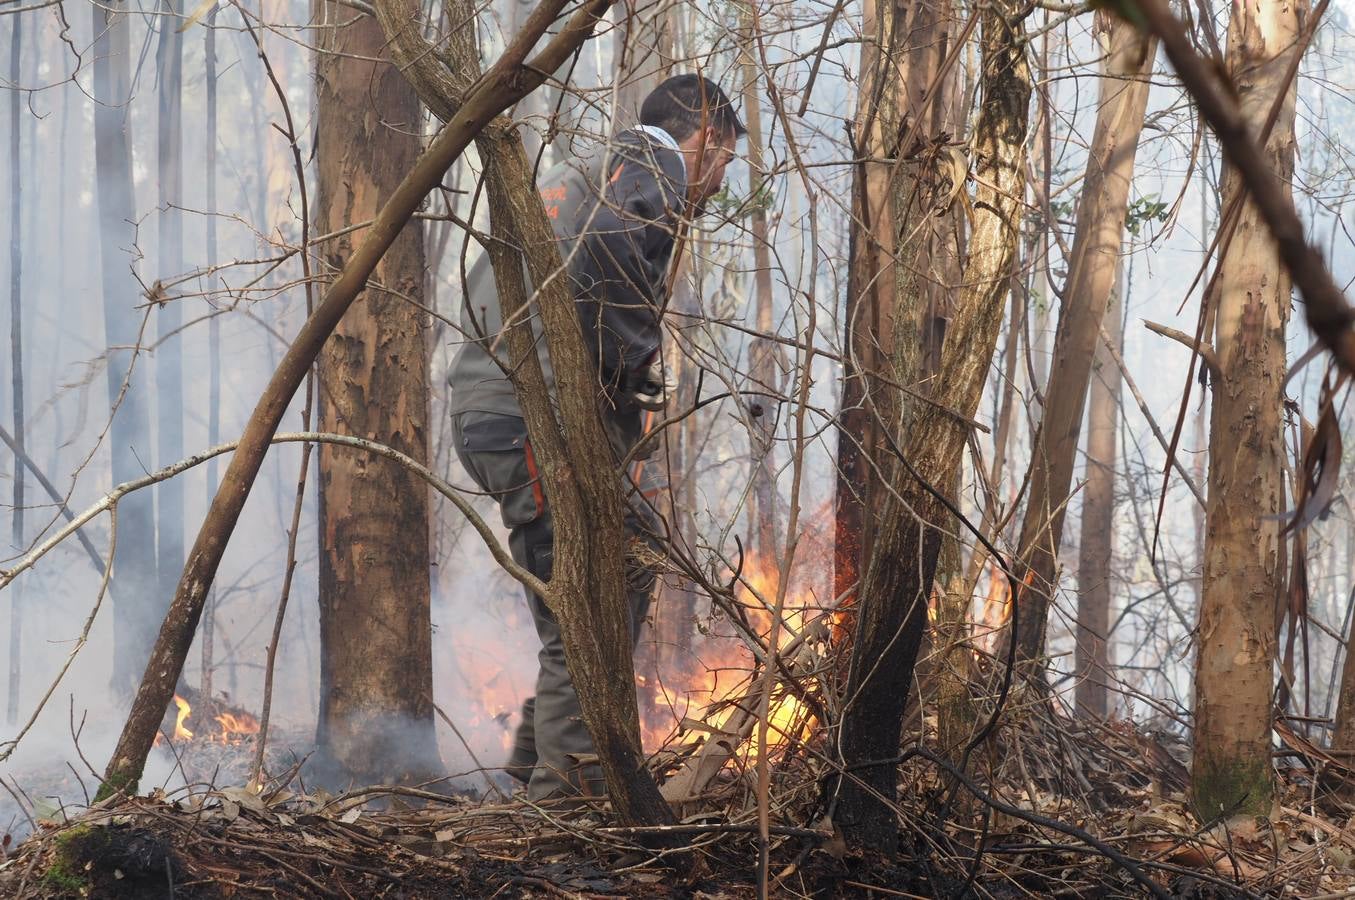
(1057, 807)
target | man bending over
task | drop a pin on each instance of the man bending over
(617, 213)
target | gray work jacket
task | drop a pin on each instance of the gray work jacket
(615, 215)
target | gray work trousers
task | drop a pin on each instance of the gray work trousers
(552, 742)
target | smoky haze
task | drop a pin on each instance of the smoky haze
(103, 294)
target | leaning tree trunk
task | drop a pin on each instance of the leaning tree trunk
(892, 610)
(376, 662)
(1242, 573)
(137, 605)
(1091, 276)
(1097, 547)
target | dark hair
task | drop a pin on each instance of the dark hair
(683, 103)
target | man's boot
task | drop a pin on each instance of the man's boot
(522, 760)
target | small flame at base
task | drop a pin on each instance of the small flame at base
(180, 732)
(235, 727)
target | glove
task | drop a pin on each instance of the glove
(652, 386)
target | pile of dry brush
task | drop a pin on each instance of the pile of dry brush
(1049, 805)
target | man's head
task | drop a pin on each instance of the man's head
(701, 119)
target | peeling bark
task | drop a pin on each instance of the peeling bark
(891, 231)
(376, 663)
(1243, 575)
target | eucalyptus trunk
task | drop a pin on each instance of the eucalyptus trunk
(138, 606)
(1096, 549)
(169, 372)
(16, 349)
(376, 663)
(1091, 276)
(886, 297)
(1243, 572)
(213, 336)
(763, 356)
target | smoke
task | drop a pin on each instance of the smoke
(484, 642)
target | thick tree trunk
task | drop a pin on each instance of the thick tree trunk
(892, 612)
(376, 663)
(1097, 546)
(1242, 571)
(169, 376)
(137, 604)
(1091, 276)
(948, 672)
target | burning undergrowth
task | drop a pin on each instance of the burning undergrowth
(1046, 805)
(721, 682)
(202, 741)
(196, 718)
(1052, 806)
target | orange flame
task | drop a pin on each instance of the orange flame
(997, 608)
(727, 664)
(235, 729)
(180, 732)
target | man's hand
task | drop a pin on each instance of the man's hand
(652, 386)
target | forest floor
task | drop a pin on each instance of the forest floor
(1059, 806)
